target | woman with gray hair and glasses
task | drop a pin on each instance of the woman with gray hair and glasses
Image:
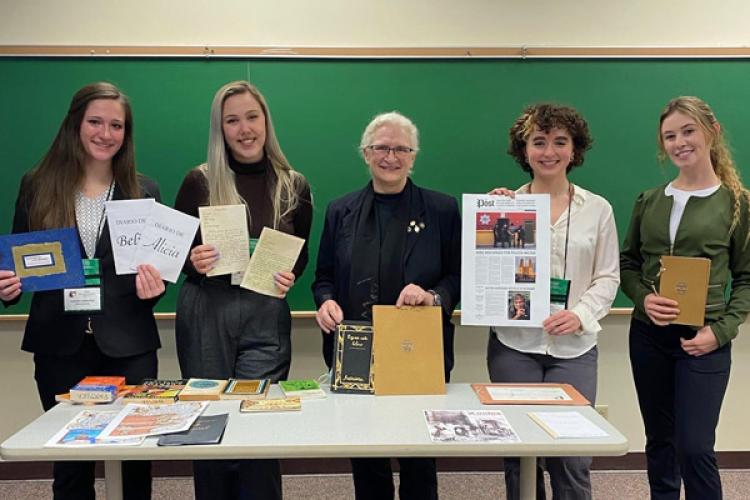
(391, 242)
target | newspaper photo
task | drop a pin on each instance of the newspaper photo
(488, 426)
(505, 260)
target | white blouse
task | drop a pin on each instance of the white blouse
(593, 270)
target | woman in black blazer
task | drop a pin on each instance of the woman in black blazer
(90, 161)
(389, 243)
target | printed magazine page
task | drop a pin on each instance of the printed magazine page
(149, 420)
(85, 430)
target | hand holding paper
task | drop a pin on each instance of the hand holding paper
(225, 229)
(276, 252)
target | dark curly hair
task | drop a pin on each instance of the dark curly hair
(547, 116)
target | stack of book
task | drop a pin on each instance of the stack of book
(96, 389)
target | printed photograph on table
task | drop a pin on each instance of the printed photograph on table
(469, 425)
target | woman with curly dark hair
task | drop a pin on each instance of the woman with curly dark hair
(547, 141)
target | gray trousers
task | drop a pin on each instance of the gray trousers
(569, 476)
(225, 331)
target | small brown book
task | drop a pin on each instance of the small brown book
(408, 350)
(685, 279)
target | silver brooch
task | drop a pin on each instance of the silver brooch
(414, 226)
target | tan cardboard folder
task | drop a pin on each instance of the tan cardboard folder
(408, 350)
(685, 279)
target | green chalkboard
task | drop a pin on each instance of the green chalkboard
(463, 109)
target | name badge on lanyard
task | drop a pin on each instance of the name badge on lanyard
(87, 299)
(559, 291)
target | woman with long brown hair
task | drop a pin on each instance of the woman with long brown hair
(90, 162)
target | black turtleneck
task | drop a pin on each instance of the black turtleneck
(253, 181)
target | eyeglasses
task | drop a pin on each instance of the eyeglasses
(383, 150)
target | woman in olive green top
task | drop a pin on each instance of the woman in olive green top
(681, 372)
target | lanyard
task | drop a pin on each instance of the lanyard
(100, 226)
(567, 227)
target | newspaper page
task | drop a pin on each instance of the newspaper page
(150, 420)
(505, 266)
(484, 426)
(85, 430)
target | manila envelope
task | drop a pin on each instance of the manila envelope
(685, 279)
(408, 350)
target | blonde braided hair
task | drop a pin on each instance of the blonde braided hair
(721, 157)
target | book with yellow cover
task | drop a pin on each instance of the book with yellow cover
(277, 404)
(685, 279)
(246, 389)
(408, 350)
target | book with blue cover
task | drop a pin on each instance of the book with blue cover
(44, 260)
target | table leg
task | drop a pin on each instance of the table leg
(528, 478)
(113, 479)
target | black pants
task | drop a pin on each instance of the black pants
(680, 399)
(373, 478)
(225, 331)
(56, 375)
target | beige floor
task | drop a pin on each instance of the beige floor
(459, 486)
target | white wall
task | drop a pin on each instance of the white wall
(21, 404)
(379, 23)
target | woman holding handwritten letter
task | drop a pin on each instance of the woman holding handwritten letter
(90, 161)
(681, 372)
(548, 141)
(389, 243)
(223, 330)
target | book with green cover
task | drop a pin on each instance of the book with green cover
(302, 388)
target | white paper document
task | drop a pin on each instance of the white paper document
(528, 394)
(150, 420)
(567, 424)
(166, 241)
(85, 430)
(487, 426)
(126, 220)
(276, 251)
(225, 227)
(505, 260)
